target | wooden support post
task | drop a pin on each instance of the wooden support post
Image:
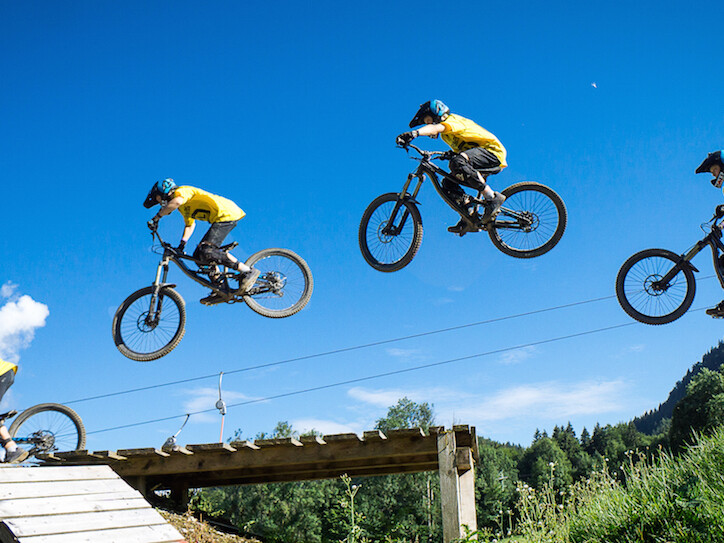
(180, 496)
(457, 487)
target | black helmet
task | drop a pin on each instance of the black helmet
(160, 188)
(435, 108)
(711, 159)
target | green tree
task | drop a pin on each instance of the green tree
(701, 410)
(544, 461)
(407, 414)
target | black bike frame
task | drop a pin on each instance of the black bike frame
(713, 240)
(431, 170)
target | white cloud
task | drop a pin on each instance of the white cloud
(8, 289)
(403, 353)
(517, 356)
(19, 318)
(548, 401)
(325, 427)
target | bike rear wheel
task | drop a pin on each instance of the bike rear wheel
(284, 285)
(390, 232)
(531, 221)
(643, 298)
(143, 339)
(48, 427)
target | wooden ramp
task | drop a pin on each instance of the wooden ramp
(79, 504)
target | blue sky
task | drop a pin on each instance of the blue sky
(291, 110)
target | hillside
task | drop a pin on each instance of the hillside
(651, 421)
(196, 531)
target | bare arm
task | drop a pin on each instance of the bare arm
(431, 130)
(187, 232)
(170, 207)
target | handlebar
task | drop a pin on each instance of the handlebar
(426, 155)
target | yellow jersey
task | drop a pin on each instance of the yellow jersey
(462, 134)
(7, 366)
(204, 206)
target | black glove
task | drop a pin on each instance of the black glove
(181, 246)
(719, 213)
(153, 223)
(447, 155)
(406, 137)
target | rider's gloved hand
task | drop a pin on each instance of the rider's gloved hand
(153, 223)
(406, 137)
(181, 246)
(719, 213)
(447, 155)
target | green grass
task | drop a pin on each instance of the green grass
(664, 500)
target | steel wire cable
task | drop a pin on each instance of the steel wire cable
(381, 375)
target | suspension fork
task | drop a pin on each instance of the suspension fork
(390, 229)
(684, 262)
(154, 309)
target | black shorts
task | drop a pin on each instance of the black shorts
(6, 381)
(217, 233)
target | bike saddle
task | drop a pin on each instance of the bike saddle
(8, 415)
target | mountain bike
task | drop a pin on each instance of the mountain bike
(151, 322)
(530, 223)
(46, 428)
(657, 286)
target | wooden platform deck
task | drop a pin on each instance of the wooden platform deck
(78, 504)
(452, 453)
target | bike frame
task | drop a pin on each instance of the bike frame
(432, 171)
(713, 240)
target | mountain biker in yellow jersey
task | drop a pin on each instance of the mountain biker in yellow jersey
(196, 204)
(10, 451)
(713, 164)
(473, 149)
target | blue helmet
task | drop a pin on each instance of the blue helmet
(434, 108)
(160, 188)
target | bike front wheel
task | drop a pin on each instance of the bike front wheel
(531, 221)
(390, 232)
(284, 285)
(144, 333)
(47, 428)
(643, 298)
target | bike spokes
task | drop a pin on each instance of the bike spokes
(48, 431)
(147, 326)
(281, 283)
(645, 292)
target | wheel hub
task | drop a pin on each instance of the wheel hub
(652, 285)
(529, 221)
(43, 440)
(384, 234)
(145, 324)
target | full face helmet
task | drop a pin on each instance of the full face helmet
(713, 159)
(160, 188)
(434, 108)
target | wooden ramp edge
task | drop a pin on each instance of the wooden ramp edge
(76, 504)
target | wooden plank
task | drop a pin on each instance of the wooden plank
(150, 451)
(54, 473)
(111, 455)
(83, 522)
(57, 505)
(406, 433)
(375, 435)
(144, 534)
(341, 437)
(312, 440)
(211, 447)
(31, 490)
(463, 459)
(278, 442)
(243, 445)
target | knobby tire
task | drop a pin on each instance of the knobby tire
(645, 304)
(550, 222)
(170, 339)
(383, 252)
(298, 283)
(62, 422)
